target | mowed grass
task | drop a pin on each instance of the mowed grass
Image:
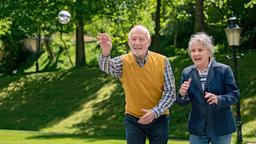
(84, 105)
(32, 137)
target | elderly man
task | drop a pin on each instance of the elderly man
(148, 83)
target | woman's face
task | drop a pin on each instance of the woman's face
(200, 55)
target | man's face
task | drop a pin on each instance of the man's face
(139, 43)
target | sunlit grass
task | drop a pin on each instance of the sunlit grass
(31, 137)
(84, 114)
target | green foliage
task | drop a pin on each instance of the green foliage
(116, 17)
(26, 19)
(57, 54)
(93, 51)
(4, 26)
(12, 50)
(250, 4)
(177, 22)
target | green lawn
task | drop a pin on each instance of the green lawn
(32, 137)
(88, 106)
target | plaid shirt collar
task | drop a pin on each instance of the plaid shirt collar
(141, 62)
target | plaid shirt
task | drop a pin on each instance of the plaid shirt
(114, 68)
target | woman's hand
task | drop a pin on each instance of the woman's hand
(184, 87)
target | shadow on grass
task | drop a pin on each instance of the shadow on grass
(107, 118)
(75, 136)
(36, 100)
(6, 80)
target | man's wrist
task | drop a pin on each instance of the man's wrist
(105, 55)
(155, 111)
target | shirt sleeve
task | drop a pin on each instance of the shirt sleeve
(169, 93)
(112, 66)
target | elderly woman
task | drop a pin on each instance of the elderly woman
(211, 88)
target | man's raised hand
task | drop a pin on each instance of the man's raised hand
(105, 43)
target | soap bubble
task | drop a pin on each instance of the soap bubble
(64, 17)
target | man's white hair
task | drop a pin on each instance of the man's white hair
(141, 28)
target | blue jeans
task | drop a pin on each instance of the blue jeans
(225, 139)
(156, 132)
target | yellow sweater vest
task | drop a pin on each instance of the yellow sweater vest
(143, 86)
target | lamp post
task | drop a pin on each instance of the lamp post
(233, 35)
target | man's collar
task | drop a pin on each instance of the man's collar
(145, 58)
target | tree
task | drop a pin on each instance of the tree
(199, 16)
(80, 50)
(156, 40)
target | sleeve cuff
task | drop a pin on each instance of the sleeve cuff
(104, 57)
(156, 112)
(219, 103)
(183, 97)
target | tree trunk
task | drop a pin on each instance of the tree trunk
(199, 17)
(156, 40)
(80, 49)
(38, 48)
(66, 50)
(175, 37)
